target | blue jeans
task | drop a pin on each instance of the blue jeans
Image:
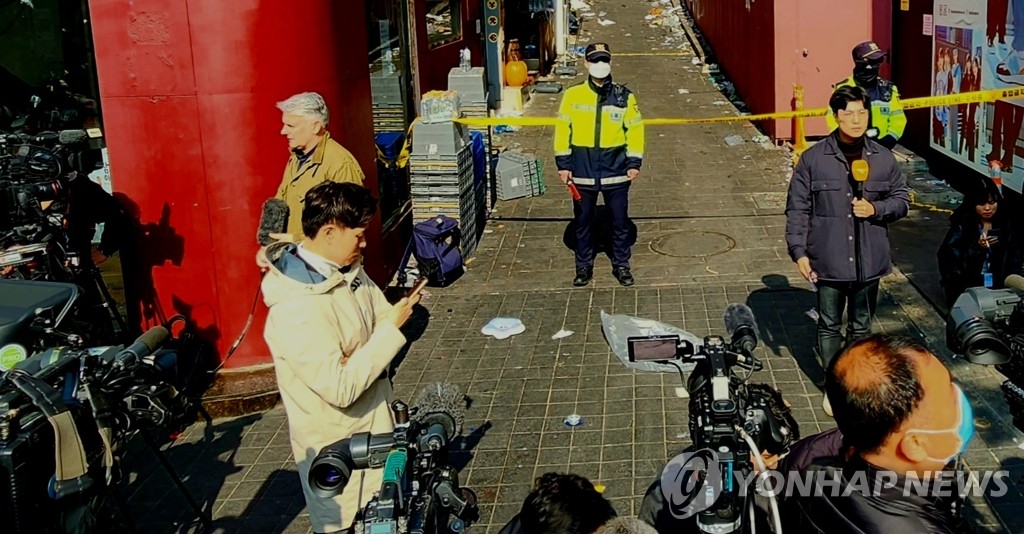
(858, 299)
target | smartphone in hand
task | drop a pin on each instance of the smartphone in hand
(417, 287)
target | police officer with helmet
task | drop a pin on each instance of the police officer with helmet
(887, 118)
(599, 145)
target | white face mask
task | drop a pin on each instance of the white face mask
(599, 70)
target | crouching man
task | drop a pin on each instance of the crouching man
(332, 335)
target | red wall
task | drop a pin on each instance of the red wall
(743, 43)
(188, 91)
(432, 66)
(778, 43)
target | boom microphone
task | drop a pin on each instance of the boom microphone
(1014, 281)
(274, 220)
(441, 403)
(740, 323)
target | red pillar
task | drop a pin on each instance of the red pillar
(188, 91)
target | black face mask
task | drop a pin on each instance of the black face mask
(866, 74)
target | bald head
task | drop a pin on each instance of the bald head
(874, 388)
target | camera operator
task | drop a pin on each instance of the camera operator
(333, 335)
(562, 504)
(900, 417)
(89, 205)
(316, 158)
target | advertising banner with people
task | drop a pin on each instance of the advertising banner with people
(975, 48)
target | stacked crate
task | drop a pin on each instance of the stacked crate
(471, 85)
(388, 109)
(518, 176)
(441, 167)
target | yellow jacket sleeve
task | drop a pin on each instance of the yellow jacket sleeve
(633, 123)
(563, 134)
(897, 118)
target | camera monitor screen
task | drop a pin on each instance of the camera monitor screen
(653, 348)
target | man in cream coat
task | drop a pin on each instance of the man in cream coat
(332, 335)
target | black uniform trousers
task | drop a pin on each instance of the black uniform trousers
(616, 199)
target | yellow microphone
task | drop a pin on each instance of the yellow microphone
(860, 175)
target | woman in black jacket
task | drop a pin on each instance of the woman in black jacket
(977, 250)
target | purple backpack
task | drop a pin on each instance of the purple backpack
(436, 247)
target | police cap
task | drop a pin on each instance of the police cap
(598, 52)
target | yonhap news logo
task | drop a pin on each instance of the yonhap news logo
(691, 482)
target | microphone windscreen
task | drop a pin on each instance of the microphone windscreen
(70, 137)
(1014, 281)
(442, 398)
(738, 315)
(860, 170)
(273, 220)
(154, 337)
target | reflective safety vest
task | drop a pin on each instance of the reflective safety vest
(599, 135)
(887, 116)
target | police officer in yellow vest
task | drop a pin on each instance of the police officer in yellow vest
(599, 147)
(887, 117)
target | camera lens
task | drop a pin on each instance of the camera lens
(328, 476)
(981, 343)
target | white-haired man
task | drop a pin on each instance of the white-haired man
(316, 158)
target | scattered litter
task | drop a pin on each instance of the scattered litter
(682, 435)
(708, 269)
(505, 128)
(605, 22)
(655, 12)
(561, 334)
(695, 61)
(719, 102)
(503, 327)
(761, 139)
(1021, 446)
(573, 420)
(602, 14)
(488, 231)
(599, 488)
(733, 140)
(683, 91)
(579, 5)
(812, 313)
(628, 35)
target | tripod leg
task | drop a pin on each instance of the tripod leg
(108, 301)
(177, 481)
(122, 509)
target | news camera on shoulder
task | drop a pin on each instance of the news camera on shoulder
(736, 420)
(986, 326)
(420, 491)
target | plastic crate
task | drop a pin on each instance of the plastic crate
(439, 139)
(519, 176)
(471, 86)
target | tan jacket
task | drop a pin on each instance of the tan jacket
(330, 346)
(330, 162)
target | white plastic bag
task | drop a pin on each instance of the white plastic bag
(619, 328)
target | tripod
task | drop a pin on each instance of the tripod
(122, 506)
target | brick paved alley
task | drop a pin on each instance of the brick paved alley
(710, 232)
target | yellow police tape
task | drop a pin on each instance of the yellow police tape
(910, 103)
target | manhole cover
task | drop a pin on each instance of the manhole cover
(687, 244)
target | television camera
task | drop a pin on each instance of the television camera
(736, 420)
(40, 238)
(420, 492)
(986, 326)
(66, 415)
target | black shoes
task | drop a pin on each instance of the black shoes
(623, 275)
(583, 276)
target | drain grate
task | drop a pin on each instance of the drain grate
(688, 244)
